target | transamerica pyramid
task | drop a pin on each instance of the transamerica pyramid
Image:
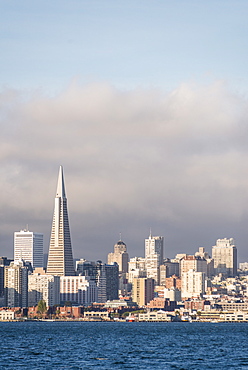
(60, 260)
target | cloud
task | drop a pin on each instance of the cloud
(132, 159)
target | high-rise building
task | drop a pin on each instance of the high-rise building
(193, 284)
(105, 276)
(136, 268)
(43, 287)
(112, 281)
(143, 290)
(154, 256)
(4, 261)
(189, 262)
(172, 267)
(29, 247)
(79, 290)
(224, 254)
(60, 260)
(155, 244)
(120, 256)
(16, 284)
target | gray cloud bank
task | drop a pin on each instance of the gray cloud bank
(176, 162)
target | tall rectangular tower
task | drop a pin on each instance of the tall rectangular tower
(29, 247)
(154, 256)
(224, 254)
(60, 260)
(16, 284)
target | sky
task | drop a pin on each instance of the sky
(144, 103)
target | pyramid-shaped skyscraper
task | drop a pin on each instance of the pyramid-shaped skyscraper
(60, 260)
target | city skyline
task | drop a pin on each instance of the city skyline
(146, 108)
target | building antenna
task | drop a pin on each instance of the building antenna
(120, 236)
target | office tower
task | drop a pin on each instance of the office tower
(112, 281)
(154, 256)
(143, 290)
(120, 256)
(189, 262)
(224, 254)
(80, 290)
(105, 277)
(16, 284)
(4, 261)
(193, 284)
(210, 261)
(29, 247)
(43, 287)
(155, 244)
(136, 268)
(60, 260)
(172, 267)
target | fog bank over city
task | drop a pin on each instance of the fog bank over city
(133, 159)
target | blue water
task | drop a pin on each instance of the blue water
(89, 345)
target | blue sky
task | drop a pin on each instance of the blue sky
(127, 43)
(144, 103)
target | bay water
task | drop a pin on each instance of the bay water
(117, 345)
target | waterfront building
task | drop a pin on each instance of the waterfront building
(224, 254)
(60, 260)
(78, 290)
(43, 287)
(16, 284)
(7, 315)
(28, 246)
(120, 256)
(97, 315)
(154, 256)
(155, 316)
(120, 304)
(143, 290)
(193, 284)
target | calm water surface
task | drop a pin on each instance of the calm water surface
(87, 345)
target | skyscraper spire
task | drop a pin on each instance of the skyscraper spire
(60, 260)
(61, 184)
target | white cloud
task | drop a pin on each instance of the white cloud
(132, 158)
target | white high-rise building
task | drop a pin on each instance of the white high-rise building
(16, 284)
(224, 254)
(78, 289)
(155, 244)
(193, 284)
(154, 256)
(136, 268)
(43, 286)
(60, 260)
(29, 247)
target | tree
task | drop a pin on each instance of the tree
(42, 308)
